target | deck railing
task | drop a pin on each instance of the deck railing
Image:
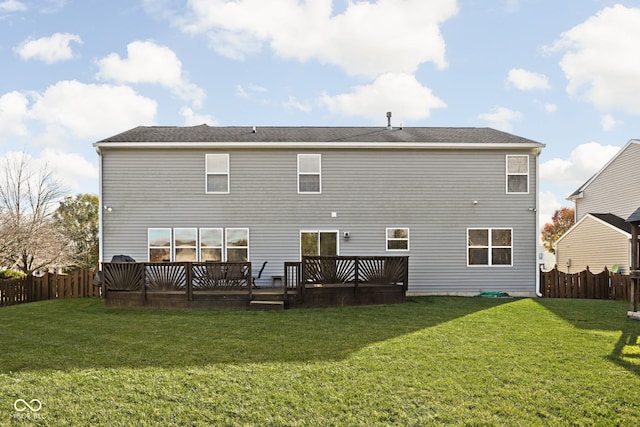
(186, 277)
(373, 270)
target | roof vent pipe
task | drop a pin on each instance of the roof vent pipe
(388, 120)
(253, 130)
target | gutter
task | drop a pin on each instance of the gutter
(317, 144)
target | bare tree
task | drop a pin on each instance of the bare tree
(28, 198)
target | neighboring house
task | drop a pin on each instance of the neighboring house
(600, 236)
(460, 202)
(595, 241)
(546, 260)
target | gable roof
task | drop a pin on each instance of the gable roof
(579, 192)
(203, 135)
(614, 221)
(608, 219)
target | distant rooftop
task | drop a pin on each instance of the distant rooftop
(208, 134)
(614, 220)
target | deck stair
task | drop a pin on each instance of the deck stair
(267, 300)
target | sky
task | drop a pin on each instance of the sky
(563, 73)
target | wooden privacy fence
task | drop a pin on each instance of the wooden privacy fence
(78, 284)
(603, 285)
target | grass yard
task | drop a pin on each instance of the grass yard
(431, 361)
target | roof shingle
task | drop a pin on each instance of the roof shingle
(204, 133)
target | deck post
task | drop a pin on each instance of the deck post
(406, 274)
(250, 281)
(144, 284)
(188, 271)
(634, 267)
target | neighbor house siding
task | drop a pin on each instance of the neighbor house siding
(429, 191)
(613, 189)
(594, 244)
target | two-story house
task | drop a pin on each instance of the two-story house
(601, 236)
(460, 202)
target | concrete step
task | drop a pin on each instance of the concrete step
(266, 305)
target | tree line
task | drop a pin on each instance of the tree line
(42, 228)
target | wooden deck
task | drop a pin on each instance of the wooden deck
(314, 282)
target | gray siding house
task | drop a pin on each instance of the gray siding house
(601, 236)
(460, 202)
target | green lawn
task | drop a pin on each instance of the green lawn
(431, 361)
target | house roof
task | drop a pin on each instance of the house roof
(635, 216)
(609, 219)
(165, 136)
(578, 193)
(614, 220)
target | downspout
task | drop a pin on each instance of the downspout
(100, 211)
(538, 292)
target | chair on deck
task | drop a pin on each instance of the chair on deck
(253, 279)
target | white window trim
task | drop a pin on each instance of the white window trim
(337, 232)
(389, 239)
(507, 174)
(226, 246)
(149, 247)
(175, 246)
(319, 174)
(221, 247)
(228, 173)
(489, 247)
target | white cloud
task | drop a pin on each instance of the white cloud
(583, 162)
(91, 110)
(367, 38)
(13, 109)
(550, 107)
(501, 118)
(609, 122)
(50, 49)
(527, 80)
(600, 59)
(71, 168)
(193, 119)
(400, 93)
(512, 6)
(251, 92)
(12, 6)
(148, 62)
(293, 103)
(549, 204)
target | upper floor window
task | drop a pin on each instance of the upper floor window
(217, 173)
(489, 246)
(309, 173)
(518, 174)
(397, 239)
(159, 240)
